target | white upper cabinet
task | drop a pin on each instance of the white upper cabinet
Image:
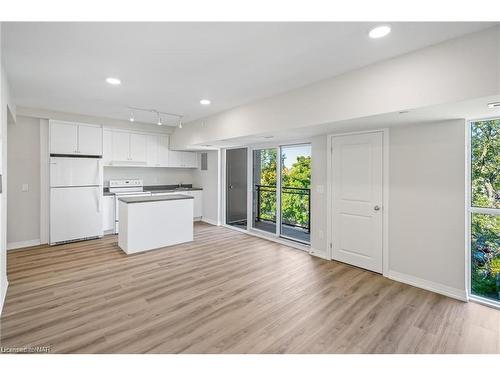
(121, 146)
(128, 148)
(163, 152)
(89, 140)
(75, 139)
(137, 147)
(182, 159)
(107, 146)
(190, 159)
(152, 151)
(174, 159)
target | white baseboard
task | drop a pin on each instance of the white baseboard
(4, 294)
(319, 254)
(21, 244)
(428, 285)
(210, 221)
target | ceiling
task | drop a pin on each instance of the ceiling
(472, 109)
(171, 66)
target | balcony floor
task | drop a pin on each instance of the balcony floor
(289, 231)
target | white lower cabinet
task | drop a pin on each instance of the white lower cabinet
(108, 213)
(198, 200)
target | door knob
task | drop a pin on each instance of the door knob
(376, 208)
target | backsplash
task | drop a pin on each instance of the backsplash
(150, 176)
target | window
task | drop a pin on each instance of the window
(485, 209)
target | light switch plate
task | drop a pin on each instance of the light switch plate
(320, 189)
(24, 187)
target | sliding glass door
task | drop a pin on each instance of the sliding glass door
(295, 202)
(264, 189)
(485, 210)
(281, 191)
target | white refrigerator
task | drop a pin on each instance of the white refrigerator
(75, 198)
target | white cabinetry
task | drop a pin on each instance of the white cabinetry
(182, 159)
(152, 151)
(157, 151)
(75, 139)
(137, 147)
(107, 146)
(128, 148)
(108, 212)
(198, 202)
(163, 151)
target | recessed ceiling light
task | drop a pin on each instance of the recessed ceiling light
(403, 112)
(379, 31)
(268, 136)
(494, 105)
(113, 81)
(205, 102)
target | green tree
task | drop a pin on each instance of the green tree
(485, 229)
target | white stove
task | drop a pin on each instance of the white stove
(125, 188)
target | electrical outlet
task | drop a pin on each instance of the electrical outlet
(24, 187)
(321, 234)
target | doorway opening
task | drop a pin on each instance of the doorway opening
(236, 187)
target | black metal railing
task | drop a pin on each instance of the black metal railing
(295, 205)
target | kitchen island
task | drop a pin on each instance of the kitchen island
(152, 222)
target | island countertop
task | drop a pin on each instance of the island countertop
(154, 198)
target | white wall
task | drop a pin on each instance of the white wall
(151, 176)
(318, 195)
(7, 114)
(427, 205)
(209, 180)
(23, 159)
(438, 74)
(427, 190)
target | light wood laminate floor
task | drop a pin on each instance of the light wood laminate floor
(226, 292)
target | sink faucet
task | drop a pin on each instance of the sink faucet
(180, 184)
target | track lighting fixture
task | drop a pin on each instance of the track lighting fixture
(160, 116)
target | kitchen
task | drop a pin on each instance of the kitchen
(107, 162)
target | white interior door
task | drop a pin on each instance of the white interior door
(357, 188)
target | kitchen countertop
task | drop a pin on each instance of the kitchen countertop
(146, 199)
(160, 189)
(169, 188)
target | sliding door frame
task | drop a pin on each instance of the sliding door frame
(250, 229)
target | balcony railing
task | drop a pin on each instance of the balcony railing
(295, 205)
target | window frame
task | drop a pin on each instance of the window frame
(469, 211)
